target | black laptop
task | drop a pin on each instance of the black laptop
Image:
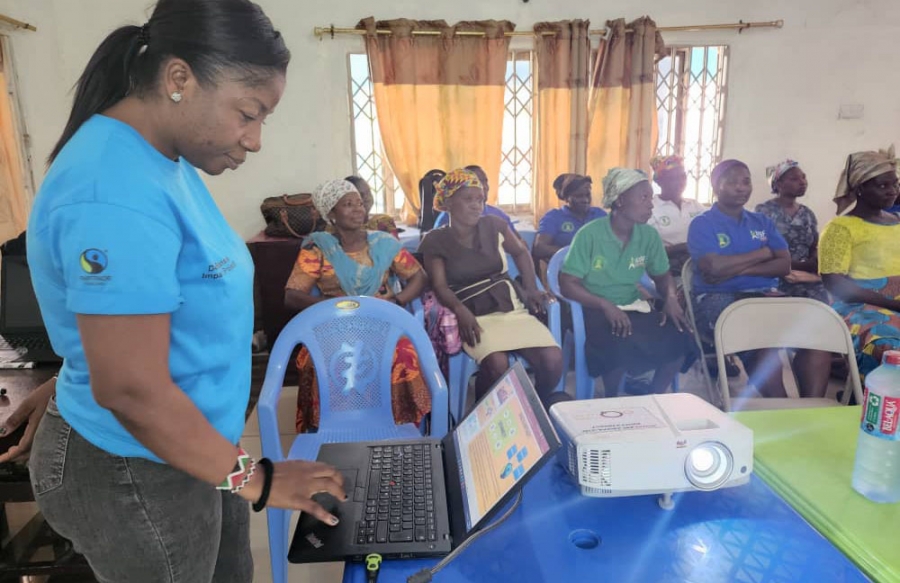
(423, 497)
(23, 337)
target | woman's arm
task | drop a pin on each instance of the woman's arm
(306, 272)
(572, 288)
(714, 266)
(128, 362)
(544, 247)
(778, 266)
(413, 288)
(844, 288)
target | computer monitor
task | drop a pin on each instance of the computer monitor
(19, 309)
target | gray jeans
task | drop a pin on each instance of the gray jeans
(135, 520)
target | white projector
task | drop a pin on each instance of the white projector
(654, 444)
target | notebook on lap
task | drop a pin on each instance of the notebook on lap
(423, 497)
(23, 337)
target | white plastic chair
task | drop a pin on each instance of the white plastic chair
(757, 323)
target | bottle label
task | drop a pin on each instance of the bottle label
(881, 416)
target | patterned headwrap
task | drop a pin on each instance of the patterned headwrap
(618, 180)
(722, 169)
(661, 164)
(773, 173)
(326, 195)
(862, 167)
(450, 185)
(565, 184)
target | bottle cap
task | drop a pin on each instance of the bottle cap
(891, 357)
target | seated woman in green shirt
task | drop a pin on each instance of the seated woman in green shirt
(607, 258)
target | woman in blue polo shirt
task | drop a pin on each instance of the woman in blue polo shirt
(739, 254)
(147, 293)
(557, 227)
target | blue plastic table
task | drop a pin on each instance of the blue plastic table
(745, 534)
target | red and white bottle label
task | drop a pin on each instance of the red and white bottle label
(881, 415)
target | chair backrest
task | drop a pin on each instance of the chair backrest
(427, 214)
(687, 285)
(528, 236)
(553, 268)
(351, 341)
(803, 323)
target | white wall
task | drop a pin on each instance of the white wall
(785, 85)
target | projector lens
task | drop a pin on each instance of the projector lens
(708, 465)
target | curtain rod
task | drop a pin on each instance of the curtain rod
(16, 23)
(740, 26)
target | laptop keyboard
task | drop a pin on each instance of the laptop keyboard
(36, 342)
(399, 498)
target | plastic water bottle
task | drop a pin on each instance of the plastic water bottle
(876, 473)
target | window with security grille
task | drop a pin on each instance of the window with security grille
(690, 103)
(516, 167)
(368, 153)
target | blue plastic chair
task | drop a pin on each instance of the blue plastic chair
(574, 340)
(462, 366)
(351, 341)
(528, 236)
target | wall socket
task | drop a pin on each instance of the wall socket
(851, 111)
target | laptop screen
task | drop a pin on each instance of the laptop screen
(498, 443)
(19, 310)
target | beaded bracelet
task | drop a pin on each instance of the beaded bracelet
(241, 474)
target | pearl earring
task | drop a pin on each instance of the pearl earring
(176, 96)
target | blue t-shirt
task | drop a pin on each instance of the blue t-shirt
(444, 217)
(716, 232)
(119, 229)
(562, 225)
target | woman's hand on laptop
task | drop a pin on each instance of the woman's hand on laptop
(30, 410)
(294, 483)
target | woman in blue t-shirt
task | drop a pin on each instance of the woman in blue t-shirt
(147, 293)
(739, 254)
(557, 227)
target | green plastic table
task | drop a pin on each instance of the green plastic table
(806, 456)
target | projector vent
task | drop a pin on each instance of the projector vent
(596, 467)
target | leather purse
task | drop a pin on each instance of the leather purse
(290, 216)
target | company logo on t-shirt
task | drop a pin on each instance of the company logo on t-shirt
(724, 240)
(758, 235)
(598, 263)
(665, 221)
(637, 262)
(93, 261)
(567, 227)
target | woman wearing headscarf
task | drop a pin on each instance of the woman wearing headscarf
(607, 258)
(672, 213)
(798, 225)
(466, 263)
(740, 254)
(356, 262)
(378, 221)
(859, 255)
(557, 227)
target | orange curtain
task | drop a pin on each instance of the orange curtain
(563, 72)
(439, 98)
(622, 121)
(13, 198)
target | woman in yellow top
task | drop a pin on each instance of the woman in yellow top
(859, 255)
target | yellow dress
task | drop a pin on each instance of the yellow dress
(869, 254)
